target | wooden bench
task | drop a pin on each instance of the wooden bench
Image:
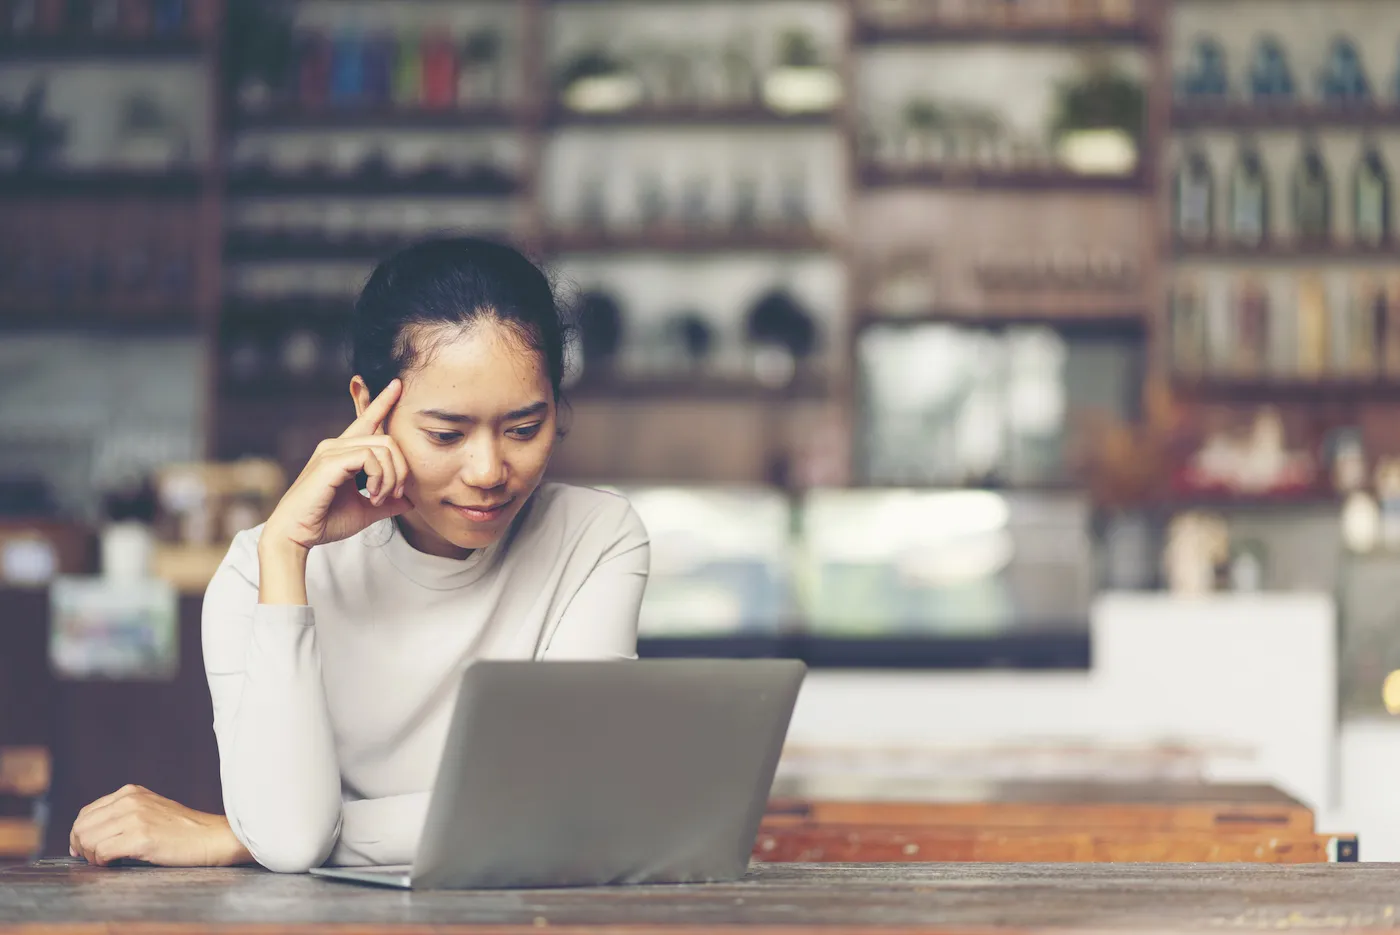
(24, 784)
(1055, 822)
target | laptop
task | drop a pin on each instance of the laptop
(595, 773)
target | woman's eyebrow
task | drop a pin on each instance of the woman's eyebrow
(443, 415)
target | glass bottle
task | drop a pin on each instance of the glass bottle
(1313, 327)
(1249, 198)
(1371, 199)
(1312, 197)
(1193, 198)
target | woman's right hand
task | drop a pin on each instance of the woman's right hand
(323, 504)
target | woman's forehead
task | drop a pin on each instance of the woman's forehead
(483, 366)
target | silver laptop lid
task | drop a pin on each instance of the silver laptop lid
(589, 773)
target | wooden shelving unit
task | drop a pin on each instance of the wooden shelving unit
(1129, 322)
(1288, 389)
(40, 49)
(1288, 252)
(473, 185)
(696, 115)
(685, 241)
(1236, 115)
(348, 116)
(242, 246)
(1049, 179)
(1044, 33)
(104, 183)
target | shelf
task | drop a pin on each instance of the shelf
(1237, 115)
(1288, 389)
(477, 185)
(1244, 503)
(1064, 648)
(875, 33)
(105, 317)
(316, 390)
(247, 246)
(16, 50)
(1010, 179)
(692, 388)
(1284, 252)
(102, 183)
(306, 310)
(681, 240)
(695, 115)
(353, 117)
(1129, 323)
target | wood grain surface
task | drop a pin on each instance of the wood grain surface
(940, 898)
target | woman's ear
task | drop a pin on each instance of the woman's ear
(359, 392)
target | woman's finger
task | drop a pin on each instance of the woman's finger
(111, 849)
(109, 798)
(342, 465)
(401, 465)
(376, 412)
(388, 475)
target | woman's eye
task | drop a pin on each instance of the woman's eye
(524, 432)
(444, 438)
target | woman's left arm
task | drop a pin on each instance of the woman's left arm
(600, 621)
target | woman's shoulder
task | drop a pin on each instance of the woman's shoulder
(565, 513)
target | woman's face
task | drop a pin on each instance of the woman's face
(476, 424)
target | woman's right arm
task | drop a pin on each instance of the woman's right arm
(277, 755)
(281, 781)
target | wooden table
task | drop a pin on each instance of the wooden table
(837, 898)
(900, 821)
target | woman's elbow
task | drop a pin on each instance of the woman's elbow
(290, 849)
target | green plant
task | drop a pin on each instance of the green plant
(797, 49)
(920, 113)
(590, 63)
(1101, 97)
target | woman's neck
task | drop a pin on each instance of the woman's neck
(422, 538)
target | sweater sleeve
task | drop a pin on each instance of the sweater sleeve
(381, 832)
(600, 621)
(277, 762)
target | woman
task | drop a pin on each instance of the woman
(335, 633)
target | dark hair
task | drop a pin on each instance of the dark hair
(452, 281)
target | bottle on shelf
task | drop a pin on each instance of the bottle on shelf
(1193, 198)
(347, 74)
(1366, 327)
(1371, 199)
(1391, 344)
(1313, 327)
(1251, 343)
(1188, 332)
(1270, 78)
(378, 64)
(1221, 332)
(408, 72)
(1343, 78)
(439, 70)
(1312, 197)
(313, 70)
(1249, 198)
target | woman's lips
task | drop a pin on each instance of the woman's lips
(481, 514)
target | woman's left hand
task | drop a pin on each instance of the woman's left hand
(135, 823)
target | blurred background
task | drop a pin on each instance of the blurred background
(1028, 367)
